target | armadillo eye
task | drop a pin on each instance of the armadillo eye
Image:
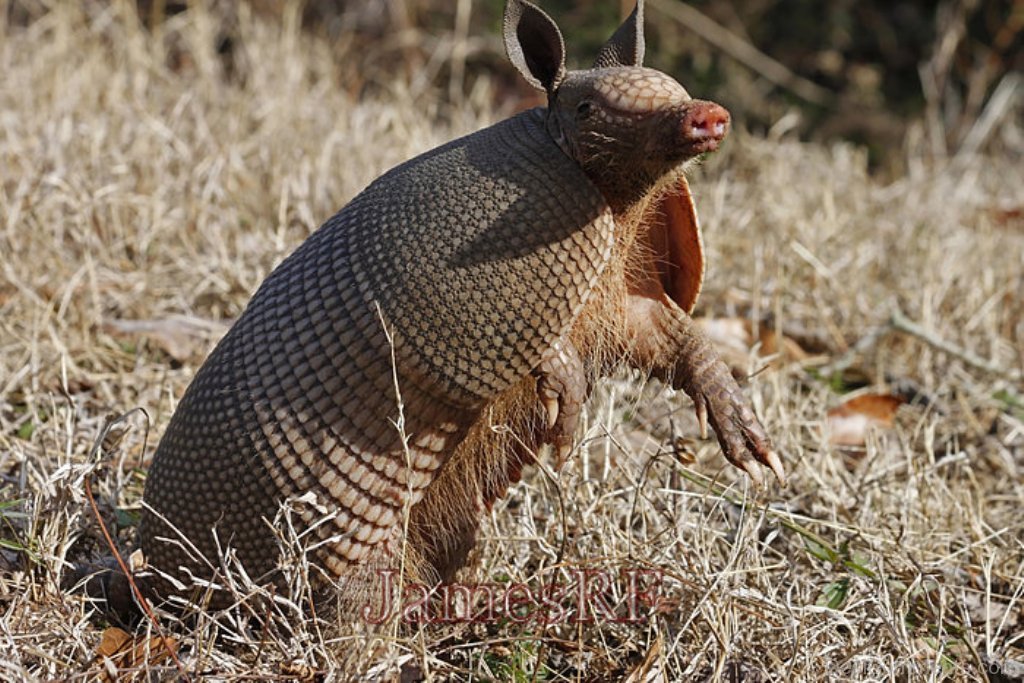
(583, 109)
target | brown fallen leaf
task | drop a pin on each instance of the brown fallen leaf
(1008, 217)
(773, 342)
(119, 650)
(684, 450)
(181, 337)
(850, 421)
(734, 337)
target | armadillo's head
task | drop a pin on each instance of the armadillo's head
(627, 126)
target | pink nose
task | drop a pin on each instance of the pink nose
(705, 121)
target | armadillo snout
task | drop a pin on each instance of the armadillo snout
(704, 126)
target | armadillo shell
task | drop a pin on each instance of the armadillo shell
(473, 258)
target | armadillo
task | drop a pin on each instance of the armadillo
(489, 282)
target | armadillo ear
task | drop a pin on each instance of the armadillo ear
(534, 45)
(679, 251)
(626, 46)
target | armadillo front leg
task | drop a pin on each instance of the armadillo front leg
(669, 342)
(563, 388)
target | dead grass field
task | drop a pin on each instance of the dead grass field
(132, 192)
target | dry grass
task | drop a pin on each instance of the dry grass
(129, 191)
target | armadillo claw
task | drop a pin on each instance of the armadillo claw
(718, 400)
(773, 461)
(701, 407)
(550, 400)
(562, 388)
(753, 471)
(743, 439)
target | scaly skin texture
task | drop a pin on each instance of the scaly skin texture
(471, 297)
(299, 397)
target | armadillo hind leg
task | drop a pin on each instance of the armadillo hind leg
(563, 388)
(672, 346)
(542, 409)
(443, 524)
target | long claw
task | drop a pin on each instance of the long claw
(773, 461)
(754, 471)
(551, 408)
(702, 417)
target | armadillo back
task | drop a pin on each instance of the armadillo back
(476, 255)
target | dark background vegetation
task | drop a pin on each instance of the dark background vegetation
(905, 77)
(869, 71)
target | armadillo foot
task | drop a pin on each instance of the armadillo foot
(743, 439)
(563, 388)
(719, 401)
